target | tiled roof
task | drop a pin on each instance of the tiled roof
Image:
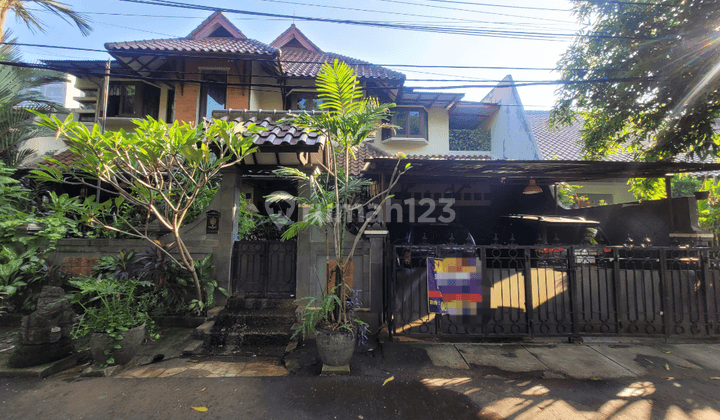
(363, 153)
(441, 157)
(66, 157)
(205, 45)
(299, 62)
(274, 134)
(563, 143)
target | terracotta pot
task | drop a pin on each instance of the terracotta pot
(335, 347)
(129, 346)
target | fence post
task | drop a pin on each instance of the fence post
(617, 287)
(527, 273)
(708, 287)
(486, 287)
(665, 284)
(575, 297)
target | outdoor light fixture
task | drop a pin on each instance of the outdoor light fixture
(532, 188)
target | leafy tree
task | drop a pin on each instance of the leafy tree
(644, 77)
(348, 119)
(24, 13)
(158, 167)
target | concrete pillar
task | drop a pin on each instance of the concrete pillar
(162, 108)
(377, 285)
(229, 197)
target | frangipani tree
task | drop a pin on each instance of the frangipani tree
(158, 167)
(348, 119)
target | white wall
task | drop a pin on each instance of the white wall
(512, 136)
(438, 137)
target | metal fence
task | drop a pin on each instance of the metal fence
(565, 291)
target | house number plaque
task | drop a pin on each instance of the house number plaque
(212, 226)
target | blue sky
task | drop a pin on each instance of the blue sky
(377, 45)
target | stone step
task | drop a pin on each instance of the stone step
(237, 303)
(256, 317)
(203, 330)
(273, 335)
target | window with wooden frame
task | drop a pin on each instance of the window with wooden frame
(124, 99)
(213, 93)
(305, 101)
(411, 123)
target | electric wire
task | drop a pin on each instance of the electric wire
(421, 28)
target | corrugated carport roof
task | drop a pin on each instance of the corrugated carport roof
(544, 172)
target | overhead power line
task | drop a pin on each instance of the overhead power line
(507, 6)
(397, 65)
(454, 30)
(285, 86)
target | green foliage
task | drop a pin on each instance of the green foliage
(162, 169)
(28, 15)
(478, 139)
(566, 194)
(317, 310)
(173, 284)
(685, 185)
(204, 197)
(647, 188)
(18, 272)
(644, 79)
(709, 209)
(347, 121)
(654, 189)
(118, 266)
(111, 306)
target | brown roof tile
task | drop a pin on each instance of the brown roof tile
(205, 45)
(275, 134)
(363, 153)
(299, 62)
(563, 143)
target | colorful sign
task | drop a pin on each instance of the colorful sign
(454, 286)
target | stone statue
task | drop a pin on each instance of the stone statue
(45, 333)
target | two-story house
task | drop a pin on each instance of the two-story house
(483, 155)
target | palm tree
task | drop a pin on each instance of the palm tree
(348, 119)
(30, 18)
(18, 95)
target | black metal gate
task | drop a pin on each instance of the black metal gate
(265, 268)
(565, 291)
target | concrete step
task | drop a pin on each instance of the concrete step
(256, 317)
(274, 335)
(203, 330)
(237, 303)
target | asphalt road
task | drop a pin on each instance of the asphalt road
(440, 394)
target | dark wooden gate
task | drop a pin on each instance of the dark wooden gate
(265, 268)
(566, 291)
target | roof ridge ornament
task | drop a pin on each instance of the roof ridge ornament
(215, 24)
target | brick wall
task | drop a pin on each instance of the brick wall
(186, 97)
(79, 266)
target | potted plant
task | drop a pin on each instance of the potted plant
(347, 120)
(115, 317)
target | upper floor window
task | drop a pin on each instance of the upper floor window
(213, 93)
(307, 101)
(409, 122)
(122, 99)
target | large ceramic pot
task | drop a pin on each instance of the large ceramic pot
(129, 346)
(335, 347)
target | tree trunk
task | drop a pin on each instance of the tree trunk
(3, 18)
(189, 264)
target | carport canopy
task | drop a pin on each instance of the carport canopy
(542, 171)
